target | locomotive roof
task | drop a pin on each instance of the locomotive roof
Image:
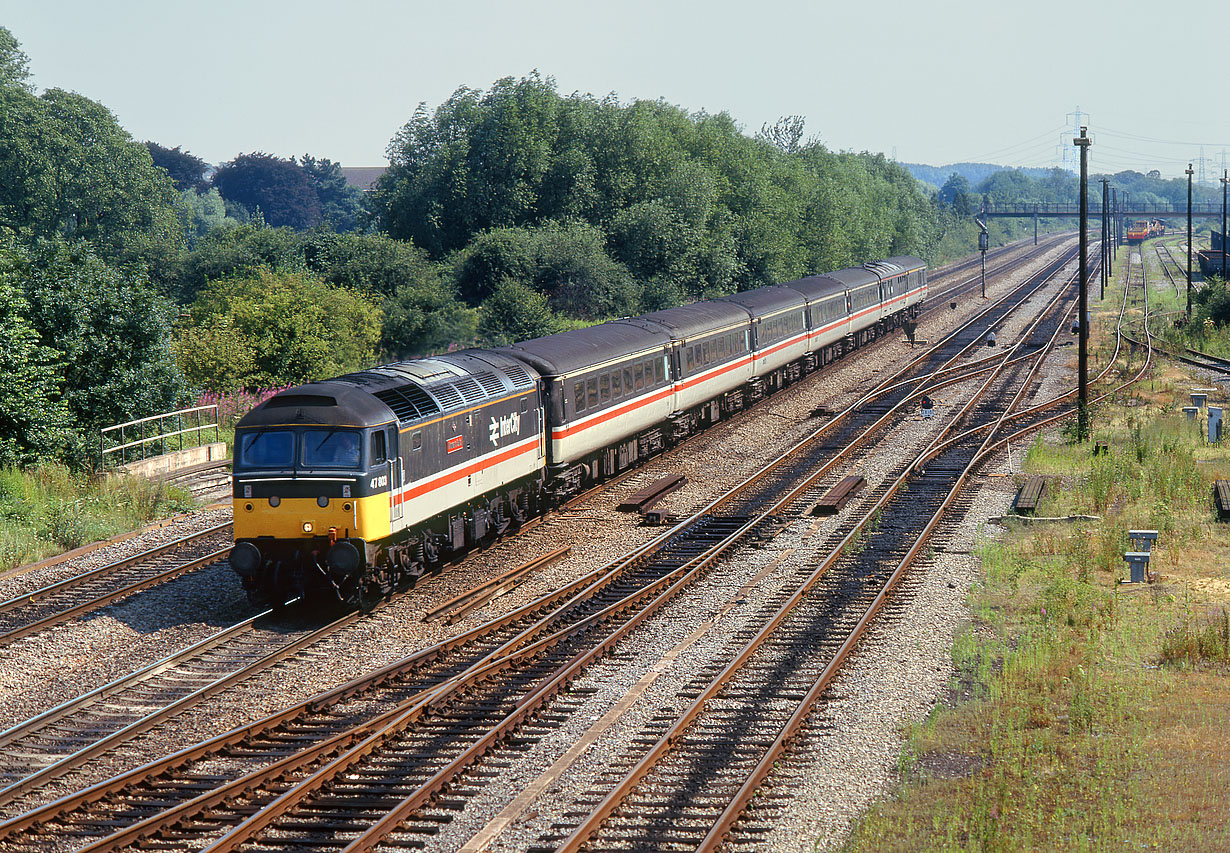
(767, 300)
(698, 318)
(569, 352)
(325, 403)
(406, 391)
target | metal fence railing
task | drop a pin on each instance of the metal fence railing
(156, 434)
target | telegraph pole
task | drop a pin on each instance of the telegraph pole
(1114, 206)
(1106, 238)
(1224, 181)
(1189, 242)
(1082, 356)
(984, 241)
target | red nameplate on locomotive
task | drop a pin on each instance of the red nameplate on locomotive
(455, 443)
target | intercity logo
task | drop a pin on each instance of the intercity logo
(507, 425)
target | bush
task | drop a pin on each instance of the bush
(275, 328)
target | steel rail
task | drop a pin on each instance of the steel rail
(29, 598)
(604, 809)
(651, 543)
(298, 794)
(423, 794)
(797, 721)
(113, 596)
(173, 709)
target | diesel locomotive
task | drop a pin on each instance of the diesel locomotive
(352, 487)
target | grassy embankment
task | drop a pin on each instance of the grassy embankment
(1088, 715)
(48, 510)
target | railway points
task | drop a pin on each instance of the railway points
(418, 815)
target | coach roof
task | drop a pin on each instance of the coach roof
(695, 320)
(767, 300)
(577, 350)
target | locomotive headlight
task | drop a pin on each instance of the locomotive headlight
(275, 500)
(307, 527)
(322, 502)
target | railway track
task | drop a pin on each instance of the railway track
(699, 775)
(1185, 355)
(59, 602)
(428, 687)
(76, 732)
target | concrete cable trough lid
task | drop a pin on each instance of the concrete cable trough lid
(643, 499)
(838, 496)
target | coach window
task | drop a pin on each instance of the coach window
(604, 386)
(639, 370)
(591, 392)
(617, 387)
(659, 370)
(688, 359)
(578, 396)
(628, 380)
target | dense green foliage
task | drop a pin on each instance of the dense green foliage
(279, 189)
(31, 412)
(184, 168)
(687, 204)
(86, 345)
(275, 328)
(129, 275)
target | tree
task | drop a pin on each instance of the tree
(14, 64)
(955, 192)
(272, 328)
(516, 312)
(279, 189)
(185, 169)
(33, 419)
(785, 133)
(341, 205)
(424, 318)
(113, 330)
(239, 251)
(68, 169)
(202, 213)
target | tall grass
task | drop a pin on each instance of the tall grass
(49, 509)
(1079, 739)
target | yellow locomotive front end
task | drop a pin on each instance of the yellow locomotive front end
(312, 493)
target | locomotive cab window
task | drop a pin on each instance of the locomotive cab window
(331, 448)
(267, 449)
(416, 441)
(379, 453)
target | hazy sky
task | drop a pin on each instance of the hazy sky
(935, 82)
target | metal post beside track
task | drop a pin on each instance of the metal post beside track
(1082, 415)
(1189, 242)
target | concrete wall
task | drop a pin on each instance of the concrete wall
(177, 460)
